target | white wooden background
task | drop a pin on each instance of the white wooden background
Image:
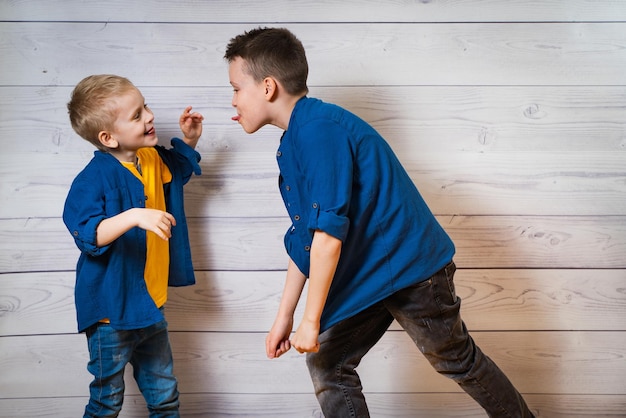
(510, 116)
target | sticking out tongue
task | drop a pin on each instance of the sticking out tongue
(235, 118)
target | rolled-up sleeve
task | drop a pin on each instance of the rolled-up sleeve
(329, 222)
(82, 214)
(326, 161)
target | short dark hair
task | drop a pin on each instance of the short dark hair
(272, 52)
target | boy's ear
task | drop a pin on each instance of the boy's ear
(271, 88)
(106, 139)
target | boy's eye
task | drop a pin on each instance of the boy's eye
(138, 114)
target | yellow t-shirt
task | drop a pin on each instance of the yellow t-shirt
(153, 173)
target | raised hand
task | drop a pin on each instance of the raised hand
(191, 126)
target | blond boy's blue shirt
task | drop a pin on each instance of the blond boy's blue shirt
(338, 175)
(110, 279)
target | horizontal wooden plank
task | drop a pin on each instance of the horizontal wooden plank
(413, 119)
(280, 405)
(257, 243)
(245, 184)
(62, 53)
(524, 356)
(493, 300)
(535, 242)
(536, 362)
(303, 11)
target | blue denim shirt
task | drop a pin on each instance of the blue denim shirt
(338, 175)
(110, 279)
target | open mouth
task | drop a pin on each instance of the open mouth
(150, 131)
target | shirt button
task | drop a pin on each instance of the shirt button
(297, 217)
(307, 248)
(278, 153)
(315, 205)
(288, 187)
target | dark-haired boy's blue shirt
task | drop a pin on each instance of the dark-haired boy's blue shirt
(338, 175)
(110, 279)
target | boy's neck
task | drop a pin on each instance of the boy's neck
(285, 109)
(126, 156)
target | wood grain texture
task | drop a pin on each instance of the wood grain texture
(388, 405)
(257, 243)
(413, 119)
(536, 362)
(220, 11)
(383, 54)
(554, 152)
(223, 301)
(244, 184)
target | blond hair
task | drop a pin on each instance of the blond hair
(92, 106)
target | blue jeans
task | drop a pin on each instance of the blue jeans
(429, 313)
(148, 351)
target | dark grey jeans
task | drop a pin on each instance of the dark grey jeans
(429, 313)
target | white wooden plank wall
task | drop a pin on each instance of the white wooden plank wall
(510, 116)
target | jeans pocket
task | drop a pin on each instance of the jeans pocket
(449, 270)
(446, 291)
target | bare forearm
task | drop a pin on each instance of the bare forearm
(277, 341)
(154, 220)
(114, 227)
(325, 252)
(294, 283)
